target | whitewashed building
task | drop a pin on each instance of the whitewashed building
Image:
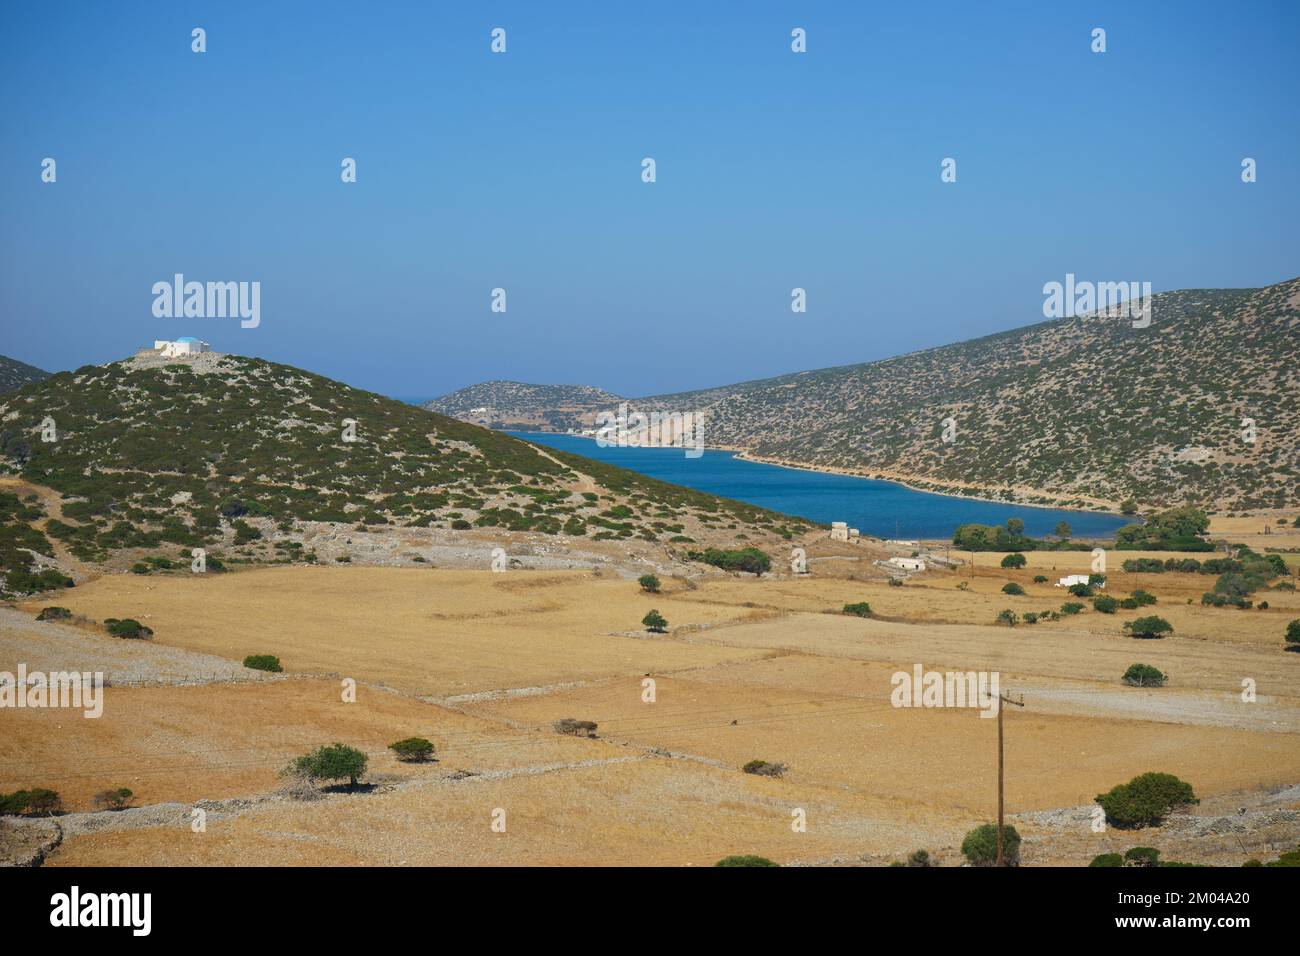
(185, 345)
(907, 564)
(1070, 580)
(839, 531)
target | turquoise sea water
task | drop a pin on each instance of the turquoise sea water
(879, 508)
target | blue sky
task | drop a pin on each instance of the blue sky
(522, 171)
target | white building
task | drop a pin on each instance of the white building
(185, 345)
(1070, 580)
(839, 531)
(908, 564)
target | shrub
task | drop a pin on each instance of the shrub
(37, 801)
(1143, 598)
(128, 628)
(114, 799)
(655, 622)
(1012, 588)
(263, 662)
(981, 845)
(919, 858)
(1148, 627)
(1031, 617)
(1040, 578)
(1142, 856)
(1293, 636)
(1071, 607)
(861, 609)
(1145, 800)
(54, 614)
(413, 750)
(575, 728)
(1107, 859)
(649, 583)
(745, 861)
(460, 524)
(1144, 675)
(765, 769)
(1007, 617)
(895, 582)
(746, 559)
(1105, 604)
(336, 762)
(1015, 560)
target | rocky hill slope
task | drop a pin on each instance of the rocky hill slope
(221, 450)
(1198, 407)
(14, 374)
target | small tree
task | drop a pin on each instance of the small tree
(1142, 856)
(413, 750)
(655, 622)
(765, 769)
(1148, 627)
(1063, 530)
(1071, 607)
(1105, 604)
(745, 861)
(1145, 800)
(128, 627)
(1012, 588)
(263, 662)
(1081, 590)
(1008, 617)
(336, 762)
(1144, 675)
(1128, 507)
(649, 583)
(117, 799)
(1107, 859)
(1016, 560)
(54, 614)
(1293, 636)
(981, 845)
(860, 609)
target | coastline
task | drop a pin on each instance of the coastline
(910, 482)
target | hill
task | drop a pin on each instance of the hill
(522, 407)
(14, 374)
(1077, 411)
(238, 454)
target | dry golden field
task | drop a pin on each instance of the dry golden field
(482, 664)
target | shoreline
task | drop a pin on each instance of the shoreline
(744, 455)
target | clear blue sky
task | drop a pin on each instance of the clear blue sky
(522, 170)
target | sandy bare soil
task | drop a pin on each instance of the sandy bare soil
(483, 663)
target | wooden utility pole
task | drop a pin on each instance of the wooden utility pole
(1004, 699)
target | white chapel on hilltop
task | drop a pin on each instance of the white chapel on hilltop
(185, 345)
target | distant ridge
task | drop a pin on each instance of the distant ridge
(15, 374)
(1082, 411)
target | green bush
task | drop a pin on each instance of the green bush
(1071, 607)
(1007, 617)
(263, 662)
(1293, 636)
(37, 801)
(1040, 578)
(1105, 604)
(860, 609)
(54, 614)
(1144, 675)
(1012, 588)
(745, 861)
(1145, 800)
(1107, 859)
(752, 560)
(1081, 590)
(1142, 856)
(1015, 560)
(655, 622)
(1148, 627)
(128, 628)
(765, 769)
(981, 845)
(919, 858)
(413, 750)
(1143, 598)
(336, 762)
(649, 583)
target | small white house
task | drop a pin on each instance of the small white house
(185, 345)
(1070, 580)
(907, 564)
(839, 531)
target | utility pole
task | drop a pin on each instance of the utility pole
(1004, 699)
